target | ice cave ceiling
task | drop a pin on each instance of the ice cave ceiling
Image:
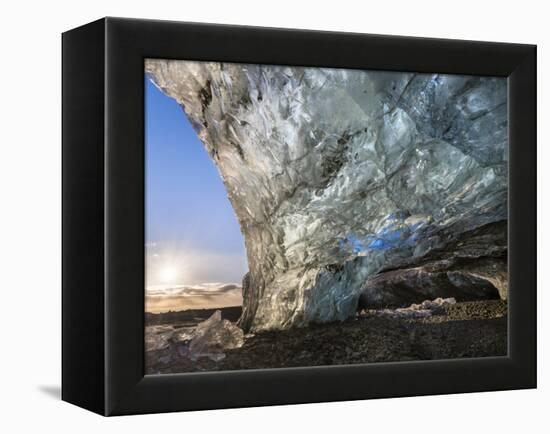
(351, 186)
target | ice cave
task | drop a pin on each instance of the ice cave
(353, 187)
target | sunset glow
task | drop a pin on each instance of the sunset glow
(168, 274)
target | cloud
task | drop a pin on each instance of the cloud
(229, 287)
(201, 296)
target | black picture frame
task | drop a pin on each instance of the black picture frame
(103, 216)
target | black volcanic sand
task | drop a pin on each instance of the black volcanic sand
(467, 329)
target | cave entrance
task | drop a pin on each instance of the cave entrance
(194, 253)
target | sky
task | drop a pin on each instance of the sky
(192, 235)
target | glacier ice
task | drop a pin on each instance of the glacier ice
(209, 338)
(338, 175)
(158, 337)
(471, 267)
(422, 310)
(214, 335)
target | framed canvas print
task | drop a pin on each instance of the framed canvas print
(263, 216)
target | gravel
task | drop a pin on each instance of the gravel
(464, 329)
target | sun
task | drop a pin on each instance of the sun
(168, 274)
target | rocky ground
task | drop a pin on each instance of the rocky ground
(466, 329)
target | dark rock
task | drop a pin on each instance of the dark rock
(473, 267)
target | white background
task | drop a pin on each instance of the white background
(30, 205)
